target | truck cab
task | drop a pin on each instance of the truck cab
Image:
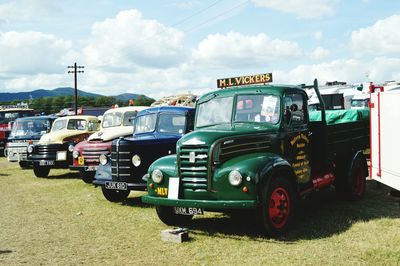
(255, 147)
(116, 122)
(26, 131)
(156, 132)
(54, 149)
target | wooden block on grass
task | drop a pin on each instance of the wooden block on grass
(176, 235)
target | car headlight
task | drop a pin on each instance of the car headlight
(235, 178)
(136, 161)
(30, 149)
(103, 159)
(75, 154)
(157, 176)
(71, 148)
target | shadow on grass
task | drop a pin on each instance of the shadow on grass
(71, 175)
(1, 174)
(319, 216)
(136, 202)
(5, 251)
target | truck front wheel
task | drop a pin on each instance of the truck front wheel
(86, 176)
(277, 208)
(41, 171)
(115, 195)
(168, 216)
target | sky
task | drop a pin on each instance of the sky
(161, 48)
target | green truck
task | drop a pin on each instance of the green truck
(257, 147)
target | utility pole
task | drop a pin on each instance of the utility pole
(75, 71)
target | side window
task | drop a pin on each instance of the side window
(295, 104)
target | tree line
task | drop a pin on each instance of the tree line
(51, 105)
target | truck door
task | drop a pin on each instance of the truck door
(297, 138)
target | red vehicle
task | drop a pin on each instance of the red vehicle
(116, 123)
(8, 114)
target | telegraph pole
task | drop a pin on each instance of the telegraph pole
(75, 71)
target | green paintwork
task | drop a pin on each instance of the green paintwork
(256, 162)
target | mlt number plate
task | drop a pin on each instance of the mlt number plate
(188, 211)
(116, 185)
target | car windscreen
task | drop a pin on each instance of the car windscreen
(77, 124)
(59, 124)
(172, 123)
(112, 119)
(30, 127)
(128, 118)
(215, 111)
(145, 123)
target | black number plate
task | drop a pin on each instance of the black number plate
(188, 211)
(116, 185)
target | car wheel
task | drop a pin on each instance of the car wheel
(167, 216)
(278, 206)
(115, 195)
(41, 171)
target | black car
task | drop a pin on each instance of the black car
(155, 135)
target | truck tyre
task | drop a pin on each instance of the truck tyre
(351, 185)
(278, 205)
(41, 171)
(23, 165)
(167, 216)
(115, 195)
(87, 177)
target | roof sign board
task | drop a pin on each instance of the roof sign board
(244, 80)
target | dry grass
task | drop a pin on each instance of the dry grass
(62, 221)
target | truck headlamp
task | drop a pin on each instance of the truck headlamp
(103, 159)
(30, 149)
(136, 161)
(157, 176)
(235, 178)
(71, 148)
(75, 154)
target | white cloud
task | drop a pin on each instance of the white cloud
(44, 81)
(235, 50)
(32, 52)
(319, 53)
(382, 38)
(305, 9)
(128, 41)
(318, 35)
(27, 9)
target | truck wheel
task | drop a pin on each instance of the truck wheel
(115, 195)
(351, 185)
(23, 164)
(87, 177)
(41, 171)
(277, 208)
(167, 216)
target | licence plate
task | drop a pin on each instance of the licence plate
(43, 162)
(91, 168)
(188, 211)
(116, 185)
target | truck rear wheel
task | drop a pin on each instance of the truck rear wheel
(277, 208)
(167, 216)
(87, 177)
(41, 171)
(115, 195)
(351, 185)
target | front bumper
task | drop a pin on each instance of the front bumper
(47, 154)
(17, 154)
(205, 204)
(86, 168)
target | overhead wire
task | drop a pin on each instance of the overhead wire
(195, 14)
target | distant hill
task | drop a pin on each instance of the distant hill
(24, 96)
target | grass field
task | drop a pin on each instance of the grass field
(62, 221)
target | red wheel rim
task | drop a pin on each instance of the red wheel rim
(359, 182)
(279, 207)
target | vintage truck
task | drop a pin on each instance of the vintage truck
(8, 113)
(54, 149)
(157, 130)
(26, 131)
(256, 147)
(116, 122)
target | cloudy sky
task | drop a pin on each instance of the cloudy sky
(161, 48)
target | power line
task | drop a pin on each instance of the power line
(195, 14)
(217, 16)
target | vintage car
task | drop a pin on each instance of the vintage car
(26, 131)
(117, 122)
(156, 132)
(54, 149)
